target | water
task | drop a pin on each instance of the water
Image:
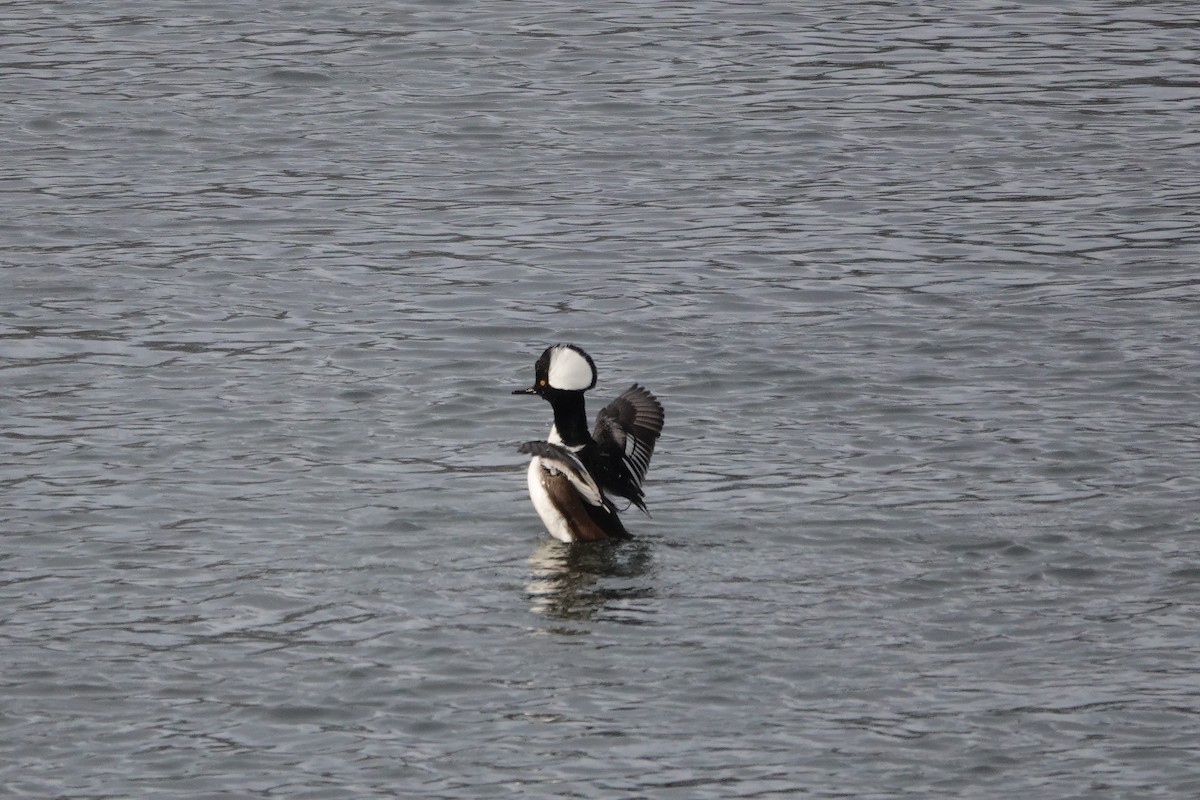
(916, 285)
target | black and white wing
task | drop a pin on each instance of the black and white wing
(626, 431)
(562, 461)
(567, 497)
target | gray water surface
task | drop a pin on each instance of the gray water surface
(917, 285)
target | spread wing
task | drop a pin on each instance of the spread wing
(561, 460)
(625, 433)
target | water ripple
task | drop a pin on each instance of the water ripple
(914, 284)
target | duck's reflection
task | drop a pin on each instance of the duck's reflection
(578, 582)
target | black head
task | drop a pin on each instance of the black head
(562, 368)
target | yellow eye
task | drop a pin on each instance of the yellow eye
(542, 382)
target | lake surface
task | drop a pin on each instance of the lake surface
(916, 283)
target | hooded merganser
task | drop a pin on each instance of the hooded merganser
(572, 470)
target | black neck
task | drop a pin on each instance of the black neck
(570, 418)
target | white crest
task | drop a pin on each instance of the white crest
(570, 369)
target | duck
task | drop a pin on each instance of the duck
(574, 473)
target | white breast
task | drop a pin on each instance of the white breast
(552, 518)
